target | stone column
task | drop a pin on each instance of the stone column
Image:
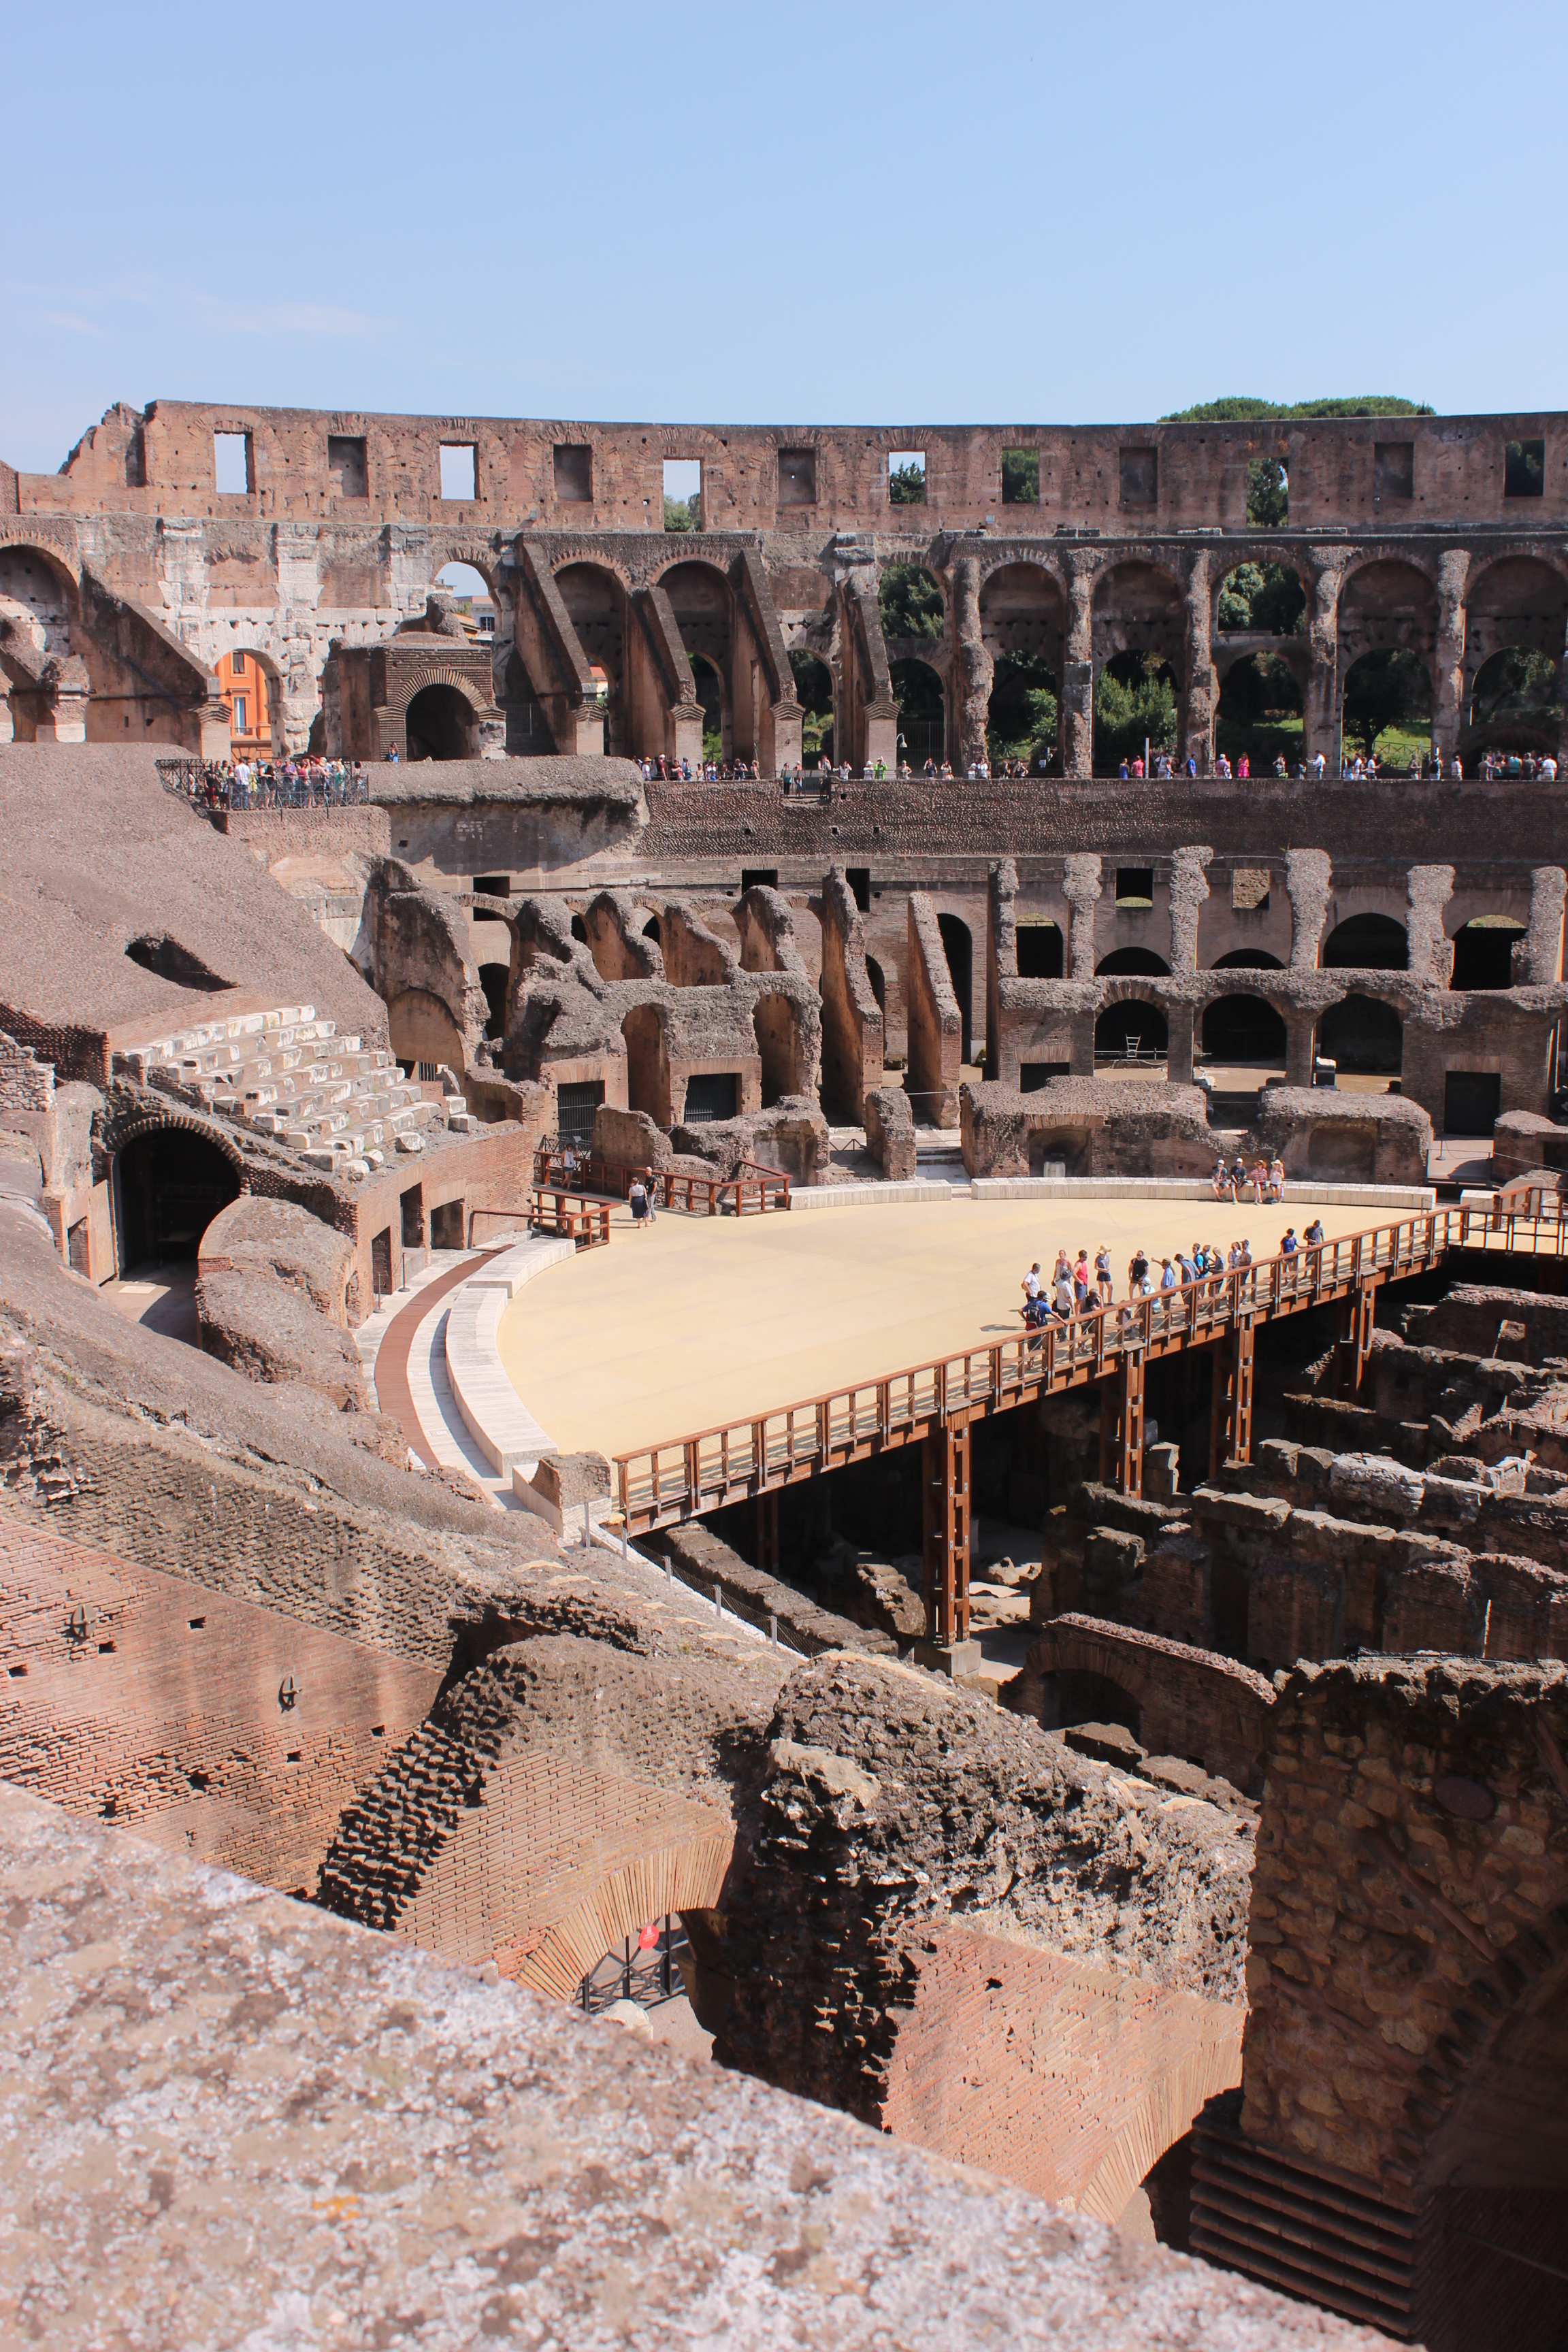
(1320, 730)
(1080, 888)
(1189, 888)
(1309, 875)
(1077, 673)
(1298, 1031)
(974, 667)
(1449, 660)
(1181, 1023)
(1428, 889)
(1197, 715)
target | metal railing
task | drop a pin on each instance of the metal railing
(648, 1977)
(698, 1472)
(212, 784)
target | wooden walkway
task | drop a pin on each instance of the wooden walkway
(933, 1403)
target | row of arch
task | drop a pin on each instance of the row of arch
(1363, 1034)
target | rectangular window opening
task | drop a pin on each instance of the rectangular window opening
(860, 880)
(1140, 478)
(1524, 469)
(797, 478)
(196, 1624)
(576, 1105)
(493, 885)
(1393, 470)
(906, 477)
(1040, 951)
(233, 473)
(459, 470)
(753, 878)
(237, 664)
(1134, 886)
(1035, 1076)
(1020, 477)
(239, 715)
(715, 1095)
(1471, 1101)
(683, 494)
(1249, 890)
(574, 472)
(346, 467)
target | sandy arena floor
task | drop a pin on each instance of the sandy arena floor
(709, 1320)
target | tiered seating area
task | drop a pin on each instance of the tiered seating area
(284, 1073)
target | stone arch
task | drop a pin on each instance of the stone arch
(1366, 941)
(268, 683)
(1387, 603)
(27, 543)
(1123, 963)
(439, 715)
(1191, 1703)
(1244, 1026)
(477, 554)
(919, 692)
(1364, 1034)
(598, 603)
(40, 595)
(1139, 608)
(422, 1027)
(1128, 1017)
(170, 1174)
(1515, 600)
(1139, 650)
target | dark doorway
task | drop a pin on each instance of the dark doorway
(171, 1185)
(1084, 1697)
(1129, 962)
(1131, 1031)
(439, 725)
(577, 1107)
(1040, 951)
(493, 979)
(713, 1095)
(1244, 1029)
(1483, 953)
(446, 1226)
(1366, 943)
(1471, 1101)
(1366, 1037)
(958, 946)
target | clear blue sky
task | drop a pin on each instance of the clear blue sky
(815, 214)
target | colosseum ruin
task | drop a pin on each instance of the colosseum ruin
(529, 1484)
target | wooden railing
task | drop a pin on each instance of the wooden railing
(712, 1466)
(586, 1222)
(752, 1189)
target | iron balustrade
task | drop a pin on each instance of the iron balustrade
(684, 1475)
(212, 784)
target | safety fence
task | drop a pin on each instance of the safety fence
(212, 784)
(751, 1191)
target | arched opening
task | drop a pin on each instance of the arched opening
(1247, 960)
(1023, 718)
(1516, 704)
(958, 946)
(923, 713)
(476, 604)
(156, 952)
(439, 725)
(38, 610)
(1133, 1032)
(1160, 2207)
(1245, 1032)
(250, 684)
(1134, 705)
(644, 1086)
(1366, 943)
(421, 1028)
(709, 688)
(170, 1185)
(494, 979)
(774, 1020)
(1262, 600)
(580, 930)
(910, 604)
(1387, 713)
(1260, 717)
(1483, 953)
(1364, 1037)
(1084, 1697)
(1132, 962)
(595, 603)
(813, 692)
(650, 930)
(878, 979)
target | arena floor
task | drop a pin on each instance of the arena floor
(706, 1319)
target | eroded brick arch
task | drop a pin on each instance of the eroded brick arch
(1191, 1703)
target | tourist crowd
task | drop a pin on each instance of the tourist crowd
(273, 783)
(1079, 1285)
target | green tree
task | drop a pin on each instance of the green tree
(683, 514)
(907, 485)
(1387, 689)
(909, 602)
(1021, 723)
(1266, 597)
(1268, 494)
(1135, 698)
(1020, 477)
(1238, 410)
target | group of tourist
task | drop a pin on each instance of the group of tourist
(1078, 1287)
(244, 784)
(1265, 1180)
(1513, 764)
(667, 769)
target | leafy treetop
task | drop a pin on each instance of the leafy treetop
(1239, 410)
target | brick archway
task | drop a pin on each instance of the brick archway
(1211, 1710)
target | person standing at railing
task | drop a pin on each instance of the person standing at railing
(1064, 1298)
(1103, 1284)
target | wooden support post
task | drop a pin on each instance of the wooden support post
(1230, 1418)
(1122, 1426)
(1353, 1344)
(946, 1515)
(767, 1533)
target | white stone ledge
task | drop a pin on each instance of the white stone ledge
(495, 1416)
(1407, 1198)
(867, 1196)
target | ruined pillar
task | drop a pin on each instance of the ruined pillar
(1538, 957)
(1189, 889)
(1197, 709)
(1298, 1036)
(1080, 888)
(974, 670)
(1180, 1026)
(1309, 876)
(1077, 673)
(1448, 656)
(1321, 719)
(1428, 890)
